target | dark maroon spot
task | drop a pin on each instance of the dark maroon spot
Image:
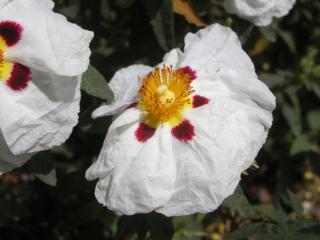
(184, 131)
(20, 77)
(198, 101)
(188, 70)
(144, 132)
(132, 105)
(10, 32)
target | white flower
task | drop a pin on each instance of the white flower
(259, 12)
(186, 129)
(42, 57)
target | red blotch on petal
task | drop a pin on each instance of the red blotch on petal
(184, 131)
(144, 132)
(188, 70)
(20, 77)
(132, 105)
(10, 32)
(199, 101)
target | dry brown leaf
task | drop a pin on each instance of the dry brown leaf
(184, 8)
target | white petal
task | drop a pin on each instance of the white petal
(3, 3)
(260, 12)
(133, 176)
(125, 85)
(40, 116)
(252, 88)
(223, 68)
(209, 166)
(8, 160)
(49, 42)
(215, 47)
(259, 123)
(247, 95)
(250, 94)
(117, 136)
(172, 58)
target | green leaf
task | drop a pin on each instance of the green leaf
(313, 119)
(246, 34)
(272, 213)
(269, 33)
(273, 80)
(50, 178)
(303, 229)
(43, 167)
(239, 201)
(315, 87)
(292, 117)
(261, 231)
(291, 110)
(161, 19)
(93, 126)
(295, 204)
(188, 226)
(95, 85)
(70, 11)
(41, 163)
(301, 144)
(290, 230)
(288, 38)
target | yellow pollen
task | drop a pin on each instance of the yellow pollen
(164, 96)
(5, 66)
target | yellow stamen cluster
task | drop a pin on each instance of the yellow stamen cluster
(5, 66)
(2, 46)
(164, 96)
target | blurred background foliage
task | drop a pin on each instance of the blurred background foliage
(50, 199)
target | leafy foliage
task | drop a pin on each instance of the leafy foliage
(50, 199)
(94, 84)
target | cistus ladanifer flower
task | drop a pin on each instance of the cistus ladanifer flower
(259, 12)
(185, 130)
(42, 58)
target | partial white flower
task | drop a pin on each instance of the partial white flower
(42, 58)
(259, 12)
(186, 129)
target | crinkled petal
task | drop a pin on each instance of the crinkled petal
(229, 83)
(259, 12)
(117, 136)
(250, 96)
(133, 177)
(49, 42)
(252, 88)
(8, 160)
(40, 116)
(209, 167)
(228, 72)
(215, 47)
(228, 77)
(172, 58)
(3, 3)
(125, 85)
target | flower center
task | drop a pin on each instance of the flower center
(1, 61)
(5, 67)
(164, 96)
(15, 76)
